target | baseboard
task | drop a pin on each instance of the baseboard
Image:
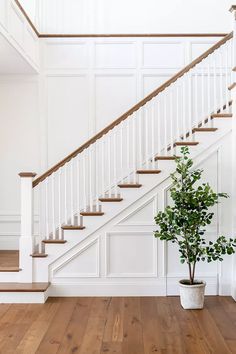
(107, 289)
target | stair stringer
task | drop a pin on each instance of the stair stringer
(58, 253)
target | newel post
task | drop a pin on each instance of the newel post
(26, 237)
(233, 97)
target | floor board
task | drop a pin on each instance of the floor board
(125, 325)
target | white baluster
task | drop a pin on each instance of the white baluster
(202, 96)
(184, 107)
(190, 119)
(226, 50)
(164, 101)
(158, 127)
(115, 161)
(214, 83)
(153, 134)
(128, 149)
(65, 194)
(53, 205)
(196, 99)
(46, 209)
(140, 122)
(71, 193)
(78, 188)
(90, 179)
(178, 111)
(59, 204)
(109, 163)
(171, 117)
(121, 152)
(103, 167)
(97, 174)
(209, 90)
(134, 147)
(84, 182)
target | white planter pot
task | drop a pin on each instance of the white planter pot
(192, 296)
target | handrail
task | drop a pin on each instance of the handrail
(132, 110)
(27, 18)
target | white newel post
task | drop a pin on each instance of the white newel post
(233, 199)
(26, 237)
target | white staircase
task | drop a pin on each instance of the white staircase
(69, 213)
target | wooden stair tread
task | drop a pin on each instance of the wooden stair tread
(148, 172)
(23, 287)
(91, 213)
(10, 269)
(165, 158)
(129, 185)
(186, 143)
(54, 241)
(73, 227)
(204, 130)
(111, 198)
(222, 115)
(39, 255)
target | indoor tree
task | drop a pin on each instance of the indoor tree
(185, 221)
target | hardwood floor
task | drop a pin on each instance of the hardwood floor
(131, 325)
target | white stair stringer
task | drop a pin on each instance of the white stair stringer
(113, 212)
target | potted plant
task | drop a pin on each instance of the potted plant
(184, 223)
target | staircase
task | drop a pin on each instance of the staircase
(66, 209)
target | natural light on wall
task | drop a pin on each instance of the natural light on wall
(129, 16)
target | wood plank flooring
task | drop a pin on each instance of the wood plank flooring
(130, 325)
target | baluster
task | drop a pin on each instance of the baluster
(164, 100)
(121, 152)
(40, 221)
(214, 82)
(65, 193)
(153, 134)
(59, 204)
(53, 205)
(103, 167)
(226, 76)
(84, 182)
(221, 78)
(90, 179)
(178, 111)
(46, 209)
(140, 137)
(97, 174)
(158, 127)
(146, 112)
(209, 90)
(128, 149)
(109, 163)
(202, 96)
(190, 120)
(196, 99)
(184, 108)
(71, 193)
(171, 117)
(114, 162)
(134, 148)
(78, 188)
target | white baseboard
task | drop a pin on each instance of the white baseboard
(107, 289)
(24, 297)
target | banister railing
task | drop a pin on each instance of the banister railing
(132, 110)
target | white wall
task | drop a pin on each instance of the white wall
(88, 83)
(19, 149)
(135, 16)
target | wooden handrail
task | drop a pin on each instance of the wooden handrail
(27, 18)
(132, 110)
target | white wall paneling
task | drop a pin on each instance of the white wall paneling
(100, 79)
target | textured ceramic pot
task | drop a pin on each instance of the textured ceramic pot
(192, 296)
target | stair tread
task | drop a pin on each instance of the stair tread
(148, 171)
(39, 255)
(130, 185)
(10, 269)
(232, 86)
(24, 287)
(186, 143)
(204, 130)
(54, 241)
(111, 198)
(222, 115)
(73, 227)
(165, 157)
(92, 213)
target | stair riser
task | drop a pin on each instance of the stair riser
(24, 297)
